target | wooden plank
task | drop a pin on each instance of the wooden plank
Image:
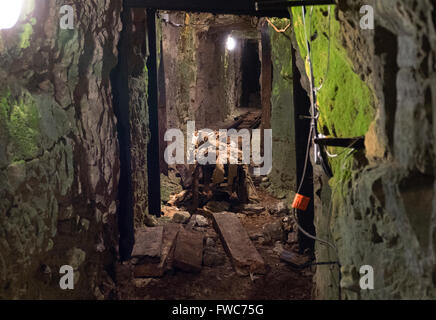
(273, 5)
(188, 254)
(148, 245)
(152, 270)
(241, 251)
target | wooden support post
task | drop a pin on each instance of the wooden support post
(266, 85)
(195, 189)
(120, 84)
(154, 197)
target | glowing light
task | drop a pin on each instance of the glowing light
(10, 11)
(231, 43)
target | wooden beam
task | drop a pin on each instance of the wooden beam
(264, 6)
(243, 254)
(239, 7)
(120, 84)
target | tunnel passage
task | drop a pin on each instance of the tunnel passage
(191, 75)
(251, 70)
(201, 79)
(65, 200)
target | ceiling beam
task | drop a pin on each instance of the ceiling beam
(236, 7)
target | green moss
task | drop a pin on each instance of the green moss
(25, 36)
(169, 185)
(19, 119)
(345, 102)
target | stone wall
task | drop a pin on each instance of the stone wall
(381, 211)
(59, 166)
(283, 175)
(202, 79)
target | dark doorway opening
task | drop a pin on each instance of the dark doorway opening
(251, 69)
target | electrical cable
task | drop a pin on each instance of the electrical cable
(312, 132)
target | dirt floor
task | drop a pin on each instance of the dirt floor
(281, 282)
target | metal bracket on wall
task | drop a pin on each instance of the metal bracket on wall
(355, 143)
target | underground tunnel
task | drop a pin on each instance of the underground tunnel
(195, 150)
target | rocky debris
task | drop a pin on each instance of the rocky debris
(150, 221)
(186, 174)
(188, 254)
(142, 283)
(76, 257)
(210, 242)
(170, 184)
(181, 217)
(292, 238)
(278, 248)
(169, 212)
(240, 215)
(279, 209)
(295, 260)
(273, 232)
(201, 221)
(218, 174)
(252, 209)
(255, 235)
(350, 278)
(197, 221)
(264, 182)
(212, 257)
(218, 206)
(289, 224)
(123, 280)
(148, 245)
(180, 198)
(147, 270)
(205, 212)
(244, 256)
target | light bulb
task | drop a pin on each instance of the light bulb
(10, 11)
(231, 43)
